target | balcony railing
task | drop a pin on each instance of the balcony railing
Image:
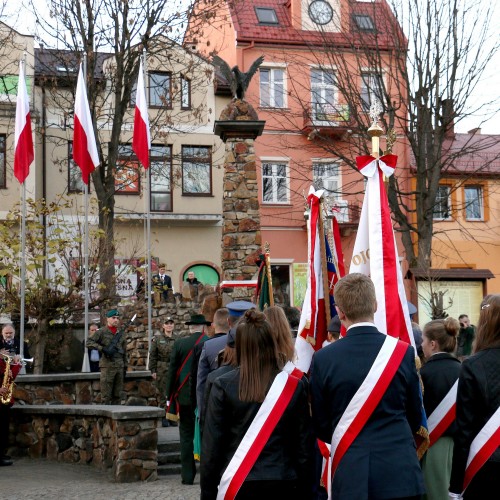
(327, 119)
(345, 212)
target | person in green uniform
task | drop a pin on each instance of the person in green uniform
(159, 357)
(112, 346)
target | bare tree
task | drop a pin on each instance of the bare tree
(113, 34)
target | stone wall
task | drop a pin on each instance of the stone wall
(81, 389)
(121, 440)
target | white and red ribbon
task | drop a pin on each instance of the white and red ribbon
(365, 400)
(257, 435)
(482, 447)
(443, 415)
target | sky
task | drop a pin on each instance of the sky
(23, 20)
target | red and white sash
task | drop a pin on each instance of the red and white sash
(443, 415)
(483, 446)
(257, 435)
(366, 399)
(291, 369)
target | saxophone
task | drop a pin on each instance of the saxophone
(8, 382)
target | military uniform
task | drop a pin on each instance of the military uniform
(159, 358)
(112, 370)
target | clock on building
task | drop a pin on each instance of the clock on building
(320, 12)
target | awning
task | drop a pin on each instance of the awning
(450, 274)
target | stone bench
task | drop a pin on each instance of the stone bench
(120, 439)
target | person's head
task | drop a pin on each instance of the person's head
(256, 355)
(162, 268)
(355, 298)
(220, 322)
(228, 356)
(488, 331)
(8, 332)
(191, 275)
(440, 335)
(93, 327)
(168, 326)
(113, 318)
(464, 320)
(237, 309)
(333, 330)
(197, 323)
(281, 331)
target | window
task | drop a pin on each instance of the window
(326, 176)
(160, 90)
(272, 88)
(323, 92)
(75, 181)
(196, 170)
(364, 22)
(127, 171)
(160, 174)
(274, 183)
(3, 168)
(474, 203)
(372, 88)
(185, 93)
(442, 209)
(266, 15)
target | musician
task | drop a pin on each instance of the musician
(10, 343)
(379, 459)
(112, 346)
(8, 372)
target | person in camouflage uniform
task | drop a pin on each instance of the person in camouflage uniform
(113, 362)
(159, 358)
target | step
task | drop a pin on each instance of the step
(169, 457)
(173, 469)
(171, 446)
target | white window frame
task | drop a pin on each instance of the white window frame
(369, 89)
(437, 215)
(271, 86)
(275, 164)
(320, 181)
(319, 94)
(479, 200)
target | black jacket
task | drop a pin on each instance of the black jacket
(287, 456)
(439, 374)
(16, 347)
(477, 400)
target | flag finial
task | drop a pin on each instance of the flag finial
(375, 130)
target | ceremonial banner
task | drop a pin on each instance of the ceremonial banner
(141, 143)
(84, 145)
(23, 140)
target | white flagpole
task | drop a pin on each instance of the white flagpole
(23, 257)
(148, 235)
(86, 364)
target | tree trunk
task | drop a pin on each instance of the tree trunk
(40, 340)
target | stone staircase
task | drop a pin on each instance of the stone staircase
(169, 452)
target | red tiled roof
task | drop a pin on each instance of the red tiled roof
(248, 28)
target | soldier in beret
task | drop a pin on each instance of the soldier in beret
(112, 346)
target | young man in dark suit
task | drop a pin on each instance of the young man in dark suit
(381, 463)
(162, 282)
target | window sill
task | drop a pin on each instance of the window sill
(271, 109)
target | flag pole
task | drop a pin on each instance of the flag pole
(267, 258)
(86, 364)
(23, 254)
(324, 267)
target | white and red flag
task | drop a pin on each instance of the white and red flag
(141, 143)
(23, 142)
(84, 145)
(375, 252)
(313, 319)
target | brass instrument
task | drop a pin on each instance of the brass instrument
(8, 381)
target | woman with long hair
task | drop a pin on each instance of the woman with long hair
(478, 410)
(281, 332)
(252, 431)
(439, 375)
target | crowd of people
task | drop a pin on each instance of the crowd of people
(261, 428)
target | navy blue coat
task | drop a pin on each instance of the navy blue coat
(382, 462)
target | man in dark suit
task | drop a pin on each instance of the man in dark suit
(162, 282)
(10, 343)
(179, 391)
(381, 463)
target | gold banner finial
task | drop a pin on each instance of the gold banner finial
(375, 130)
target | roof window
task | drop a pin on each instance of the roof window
(364, 22)
(266, 15)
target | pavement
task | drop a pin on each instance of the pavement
(38, 478)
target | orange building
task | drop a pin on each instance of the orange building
(308, 119)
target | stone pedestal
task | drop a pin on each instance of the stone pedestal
(241, 237)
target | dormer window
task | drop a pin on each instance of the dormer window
(364, 22)
(266, 15)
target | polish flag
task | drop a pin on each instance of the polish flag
(23, 143)
(84, 145)
(375, 252)
(141, 143)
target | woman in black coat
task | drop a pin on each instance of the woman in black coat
(439, 374)
(283, 467)
(478, 399)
